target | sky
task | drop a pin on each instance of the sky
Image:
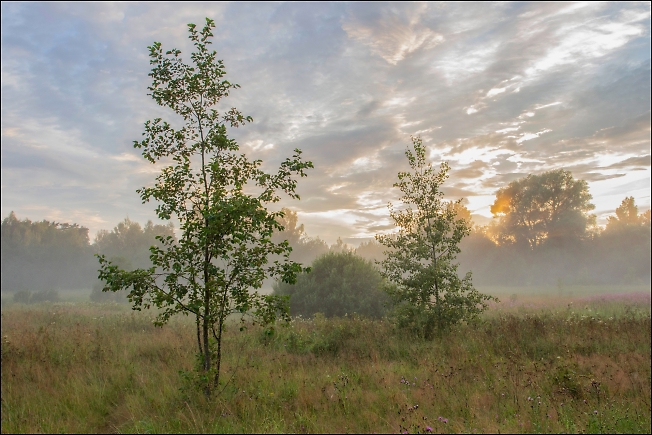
(498, 90)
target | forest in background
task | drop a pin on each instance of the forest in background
(542, 233)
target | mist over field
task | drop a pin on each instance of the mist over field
(43, 256)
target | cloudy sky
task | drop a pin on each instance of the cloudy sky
(497, 90)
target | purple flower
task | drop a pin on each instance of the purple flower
(595, 412)
(428, 429)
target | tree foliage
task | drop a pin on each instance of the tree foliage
(220, 198)
(131, 241)
(339, 283)
(542, 208)
(127, 246)
(626, 243)
(428, 293)
(627, 217)
(619, 254)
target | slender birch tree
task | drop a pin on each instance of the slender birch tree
(220, 199)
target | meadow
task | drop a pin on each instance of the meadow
(565, 359)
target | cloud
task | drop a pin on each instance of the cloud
(638, 162)
(497, 90)
(392, 33)
(595, 176)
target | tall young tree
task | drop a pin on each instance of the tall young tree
(427, 291)
(220, 198)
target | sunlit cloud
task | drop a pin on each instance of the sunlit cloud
(392, 35)
(530, 136)
(590, 39)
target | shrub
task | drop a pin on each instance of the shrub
(340, 283)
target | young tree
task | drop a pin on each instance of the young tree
(220, 198)
(426, 289)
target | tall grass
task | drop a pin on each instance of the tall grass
(580, 367)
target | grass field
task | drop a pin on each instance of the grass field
(542, 360)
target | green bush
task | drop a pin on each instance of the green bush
(340, 283)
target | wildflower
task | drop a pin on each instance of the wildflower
(595, 412)
(428, 429)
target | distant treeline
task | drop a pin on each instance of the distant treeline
(618, 254)
(44, 256)
(542, 234)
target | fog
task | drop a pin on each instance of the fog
(45, 256)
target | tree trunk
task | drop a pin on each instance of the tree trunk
(219, 353)
(205, 327)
